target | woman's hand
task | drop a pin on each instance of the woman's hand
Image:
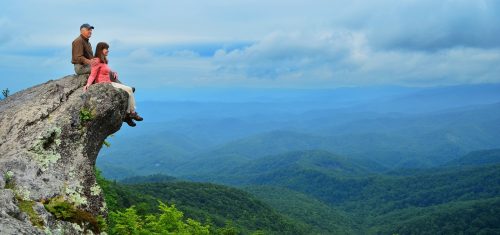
(115, 75)
(85, 88)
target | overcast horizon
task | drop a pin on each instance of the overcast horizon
(243, 44)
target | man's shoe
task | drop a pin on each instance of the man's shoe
(129, 121)
(136, 116)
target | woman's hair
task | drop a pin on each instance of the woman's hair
(98, 51)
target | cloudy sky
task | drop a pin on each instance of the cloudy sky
(258, 44)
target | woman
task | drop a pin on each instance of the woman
(100, 73)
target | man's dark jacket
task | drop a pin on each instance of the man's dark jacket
(81, 50)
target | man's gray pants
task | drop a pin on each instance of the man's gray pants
(82, 69)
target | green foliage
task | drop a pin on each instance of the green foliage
(414, 198)
(127, 222)
(209, 202)
(85, 116)
(63, 210)
(169, 221)
(106, 143)
(103, 224)
(229, 229)
(315, 184)
(325, 194)
(461, 217)
(226, 210)
(317, 216)
(111, 193)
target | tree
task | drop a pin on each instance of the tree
(170, 221)
(5, 93)
(127, 222)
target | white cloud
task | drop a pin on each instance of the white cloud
(347, 58)
(295, 43)
(280, 54)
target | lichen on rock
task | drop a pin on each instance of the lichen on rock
(75, 195)
(45, 149)
(23, 192)
(95, 190)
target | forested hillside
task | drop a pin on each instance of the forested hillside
(226, 210)
(316, 192)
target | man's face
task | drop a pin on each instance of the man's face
(86, 32)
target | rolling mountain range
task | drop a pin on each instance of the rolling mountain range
(351, 161)
(409, 141)
(327, 194)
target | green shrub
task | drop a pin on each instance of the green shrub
(85, 116)
(170, 221)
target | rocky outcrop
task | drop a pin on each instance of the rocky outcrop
(50, 136)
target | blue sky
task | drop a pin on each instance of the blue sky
(258, 44)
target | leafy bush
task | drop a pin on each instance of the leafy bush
(170, 221)
(85, 116)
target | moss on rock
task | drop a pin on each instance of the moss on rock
(26, 206)
(67, 211)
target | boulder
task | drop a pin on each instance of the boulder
(50, 136)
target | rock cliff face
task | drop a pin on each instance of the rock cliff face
(50, 136)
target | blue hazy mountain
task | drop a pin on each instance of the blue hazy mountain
(390, 127)
(477, 158)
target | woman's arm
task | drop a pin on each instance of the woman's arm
(114, 76)
(95, 66)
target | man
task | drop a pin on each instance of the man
(82, 50)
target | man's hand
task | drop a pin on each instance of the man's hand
(85, 88)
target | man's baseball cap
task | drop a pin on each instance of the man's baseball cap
(86, 26)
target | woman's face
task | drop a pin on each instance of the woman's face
(105, 51)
